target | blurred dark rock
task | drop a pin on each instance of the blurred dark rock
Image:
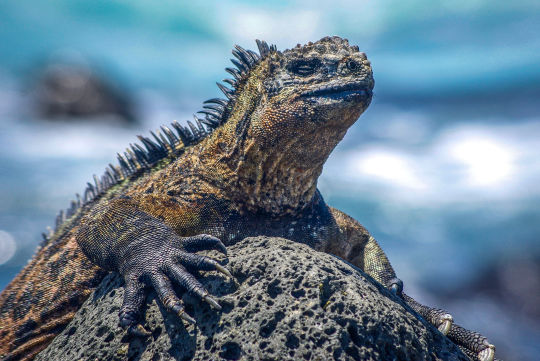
(291, 303)
(512, 281)
(74, 91)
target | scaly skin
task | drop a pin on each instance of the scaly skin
(255, 173)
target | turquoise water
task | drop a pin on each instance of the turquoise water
(443, 168)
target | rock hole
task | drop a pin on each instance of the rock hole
(330, 331)
(71, 331)
(101, 330)
(109, 337)
(328, 270)
(353, 352)
(274, 288)
(292, 341)
(231, 351)
(267, 327)
(352, 329)
(337, 307)
(238, 320)
(157, 332)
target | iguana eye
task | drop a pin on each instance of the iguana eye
(352, 65)
(304, 67)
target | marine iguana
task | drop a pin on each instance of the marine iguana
(249, 166)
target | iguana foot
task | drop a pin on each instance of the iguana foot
(471, 343)
(168, 264)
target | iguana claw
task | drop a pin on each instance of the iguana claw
(212, 302)
(224, 270)
(487, 354)
(446, 324)
(138, 330)
(184, 316)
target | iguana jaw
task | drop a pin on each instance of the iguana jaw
(352, 91)
(338, 98)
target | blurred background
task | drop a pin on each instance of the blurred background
(443, 168)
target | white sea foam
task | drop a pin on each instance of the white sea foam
(462, 164)
(7, 247)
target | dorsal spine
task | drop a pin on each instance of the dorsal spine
(137, 159)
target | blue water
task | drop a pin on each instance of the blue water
(443, 168)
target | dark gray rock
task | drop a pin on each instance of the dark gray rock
(291, 303)
(75, 91)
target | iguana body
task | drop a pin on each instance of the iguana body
(253, 172)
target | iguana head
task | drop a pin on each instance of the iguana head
(314, 93)
(326, 80)
(287, 111)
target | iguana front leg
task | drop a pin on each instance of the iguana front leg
(118, 236)
(362, 250)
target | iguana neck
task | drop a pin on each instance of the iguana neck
(276, 179)
(262, 180)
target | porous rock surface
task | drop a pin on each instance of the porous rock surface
(290, 303)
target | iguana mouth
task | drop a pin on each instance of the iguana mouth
(339, 91)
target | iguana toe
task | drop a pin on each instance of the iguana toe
(446, 323)
(473, 344)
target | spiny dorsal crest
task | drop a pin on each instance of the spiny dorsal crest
(165, 142)
(327, 45)
(216, 110)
